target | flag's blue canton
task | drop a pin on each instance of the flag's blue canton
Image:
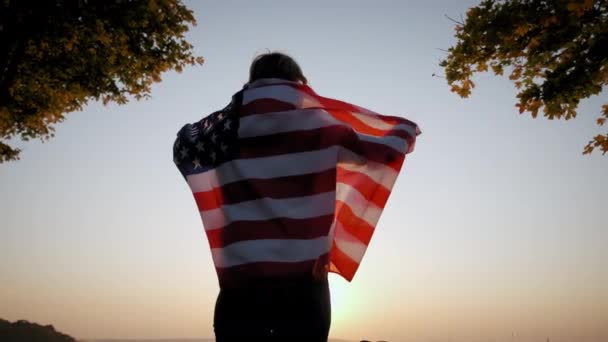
(208, 143)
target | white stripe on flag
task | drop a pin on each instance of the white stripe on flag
(282, 93)
(360, 207)
(380, 173)
(269, 208)
(306, 119)
(300, 99)
(264, 168)
(378, 123)
(279, 250)
(287, 121)
(398, 144)
(349, 244)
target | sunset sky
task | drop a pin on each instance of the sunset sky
(495, 230)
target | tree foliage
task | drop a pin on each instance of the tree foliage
(58, 54)
(555, 51)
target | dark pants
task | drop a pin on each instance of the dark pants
(289, 312)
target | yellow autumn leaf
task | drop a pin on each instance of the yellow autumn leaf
(521, 30)
(482, 66)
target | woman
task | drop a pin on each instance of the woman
(290, 186)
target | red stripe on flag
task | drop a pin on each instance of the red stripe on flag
(329, 103)
(278, 228)
(265, 105)
(354, 225)
(280, 187)
(372, 191)
(361, 127)
(290, 142)
(342, 264)
(342, 110)
(316, 139)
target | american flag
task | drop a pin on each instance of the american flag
(289, 183)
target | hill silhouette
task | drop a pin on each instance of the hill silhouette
(24, 331)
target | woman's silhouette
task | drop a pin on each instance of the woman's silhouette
(290, 186)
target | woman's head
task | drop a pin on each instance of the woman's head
(276, 65)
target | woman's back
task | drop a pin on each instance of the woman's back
(290, 186)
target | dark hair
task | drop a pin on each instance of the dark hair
(275, 65)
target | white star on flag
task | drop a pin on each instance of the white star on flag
(197, 163)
